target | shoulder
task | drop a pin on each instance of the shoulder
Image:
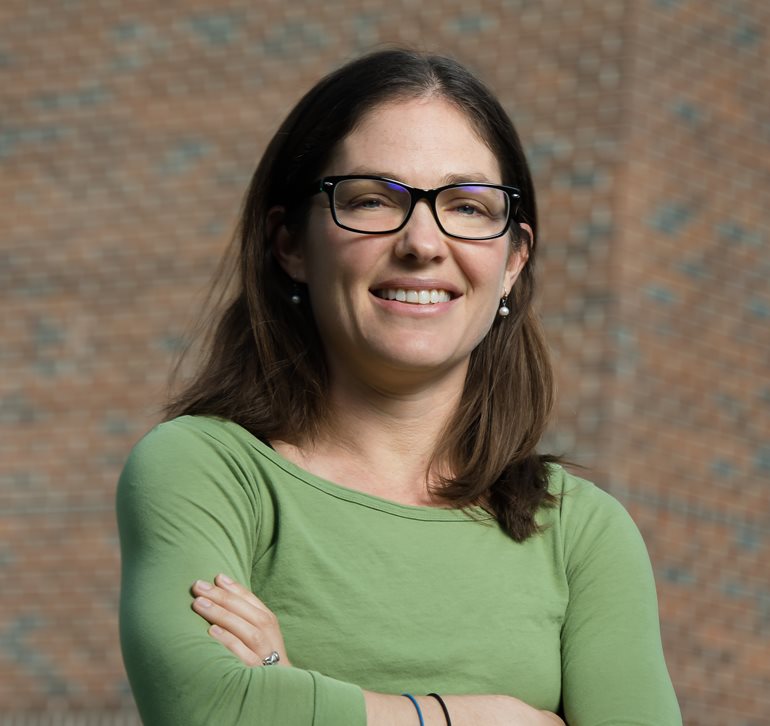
(194, 442)
(589, 519)
(198, 477)
(188, 457)
(612, 660)
(191, 434)
(578, 497)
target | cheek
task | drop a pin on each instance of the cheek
(338, 278)
(335, 256)
(487, 271)
(320, 250)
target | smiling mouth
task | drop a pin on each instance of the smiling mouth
(414, 297)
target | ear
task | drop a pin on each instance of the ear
(518, 258)
(285, 246)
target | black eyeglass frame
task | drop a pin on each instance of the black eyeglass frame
(328, 184)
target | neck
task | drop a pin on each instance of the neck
(382, 439)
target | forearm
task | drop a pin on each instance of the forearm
(390, 710)
(247, 627)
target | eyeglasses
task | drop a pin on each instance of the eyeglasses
(376, 205)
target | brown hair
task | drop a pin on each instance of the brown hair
(264, 366)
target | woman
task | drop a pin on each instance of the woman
(358, 450)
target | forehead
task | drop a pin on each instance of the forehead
(418, 140)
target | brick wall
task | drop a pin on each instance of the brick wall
(128, 131)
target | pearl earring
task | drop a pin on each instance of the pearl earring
(504, 311)
(296, 298)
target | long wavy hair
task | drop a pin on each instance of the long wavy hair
(263, 365)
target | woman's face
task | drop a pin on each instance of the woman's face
(425, 143)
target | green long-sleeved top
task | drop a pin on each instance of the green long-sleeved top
(376, 595)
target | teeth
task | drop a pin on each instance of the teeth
(416, 297)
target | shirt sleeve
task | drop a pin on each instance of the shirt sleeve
(187, 509)
(613, 669)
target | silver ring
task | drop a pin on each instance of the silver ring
(272, 659)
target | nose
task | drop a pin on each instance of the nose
(421, 239)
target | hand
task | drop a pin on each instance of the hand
(552, 718)
(502, 710)
(239, 620)
(468, 710)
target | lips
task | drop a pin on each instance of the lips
(414, 296)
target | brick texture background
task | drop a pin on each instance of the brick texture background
(128, 132)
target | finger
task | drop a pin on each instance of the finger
(255, 613)
(237, 647)
(231, 585)
(258, 639)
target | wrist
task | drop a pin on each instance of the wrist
(432, 714)
(394, 710)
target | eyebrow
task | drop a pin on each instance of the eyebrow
(448, 178)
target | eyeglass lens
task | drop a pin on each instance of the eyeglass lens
(465, 210)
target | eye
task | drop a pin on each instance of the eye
(473, 204)
(467, 208)
(370, 201)
(365, 196)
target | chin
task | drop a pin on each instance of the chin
(424, 361)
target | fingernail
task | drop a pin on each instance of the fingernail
(203, 585)
(203, 602)
(226, 579)
(216, 630)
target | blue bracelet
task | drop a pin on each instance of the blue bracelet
(416, 705)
